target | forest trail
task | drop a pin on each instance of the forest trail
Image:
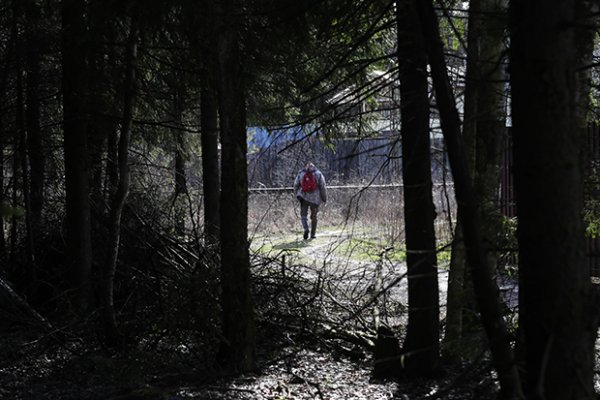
(349, 257)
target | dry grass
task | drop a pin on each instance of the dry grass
(371, 213)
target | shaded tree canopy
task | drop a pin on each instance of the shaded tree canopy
(147, 150)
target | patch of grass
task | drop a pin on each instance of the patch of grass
(369, 250)
(269, 246)
(293, 245)
(443, 258)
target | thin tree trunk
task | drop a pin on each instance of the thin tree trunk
(558, 320)
(122, 189)
(486, 291)
(421, 346)
(452, 346)
(491, 122)
(587, 19)
(21, 138)
(112, 164)
(14, 221)
(209, 130)
(180, 188)
(210, 165)
(3, 200)
(483, 132)
(74, 84)
(238, 346)
(34, 132)
(459, 302)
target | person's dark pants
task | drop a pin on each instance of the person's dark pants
(314, 209)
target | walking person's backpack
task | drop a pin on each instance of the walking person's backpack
(309, 182)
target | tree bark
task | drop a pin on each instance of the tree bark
(491, 122)
(2, 198)
(421, 346)
(210, 165)
(483, 131)
(4, 78)
(555, 312)
(34, 132)
(122, 188)
(74, 90)
(238, 346)
(20, 139)
(485, 287)
(180, 187)
(209, 132)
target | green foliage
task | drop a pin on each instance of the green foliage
(9, 211)
(591, 208)
(365, 249)
(508, 236)
(591, 217)
(453, 32)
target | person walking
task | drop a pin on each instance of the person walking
(311, 191)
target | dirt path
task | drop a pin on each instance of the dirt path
(338, 254)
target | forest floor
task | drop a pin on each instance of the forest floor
(325, 359)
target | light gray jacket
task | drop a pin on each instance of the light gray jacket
(315, 197)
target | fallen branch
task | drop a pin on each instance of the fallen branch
(16, 309)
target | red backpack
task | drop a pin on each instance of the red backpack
(309, 182)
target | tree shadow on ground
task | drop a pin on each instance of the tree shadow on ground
(292, 245)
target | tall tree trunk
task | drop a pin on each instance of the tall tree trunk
(102, 107)
(34, 132)
(559, 325)
(491, 121)
(238, 346)
(459, 302)
(122, 188)
(452, 346)
(210, 164)
(486, 291)
(112, 164)
(3, 199)
(587, 19)
(20, 139)
(74, 88)
(209, 129)
(421, 346)
(483, 131)
(180, 189)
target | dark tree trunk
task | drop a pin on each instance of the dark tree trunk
(102, 108)
(209, 130)
(485, 287)
(180, 178)
(210, 164)
(555, 313)
(491, 121)
(587, 18)
(459, 312)
(180, 189)
(74, 84)
(238, 346)
(483, 131)
(122, 189)
(34, 133)
(3, 200)
(421, 346)
(112, 164)
(20, 140)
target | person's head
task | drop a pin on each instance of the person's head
(309, 165)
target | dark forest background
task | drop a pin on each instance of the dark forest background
(135, 137)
